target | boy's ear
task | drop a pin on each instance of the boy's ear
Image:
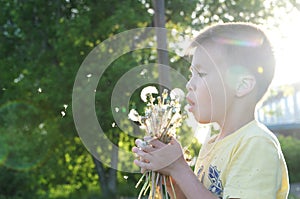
(245, 85)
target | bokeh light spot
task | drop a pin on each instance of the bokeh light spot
(260, 70)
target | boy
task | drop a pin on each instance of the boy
(232, 68)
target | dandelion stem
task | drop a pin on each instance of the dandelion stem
(157, 178)
(140, 180)
(172, 186)
(153, 185)
(142, 190)
(165, 183)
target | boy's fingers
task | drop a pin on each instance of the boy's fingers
(156, 143)
(143, 170)
(134, 149)
(148, 148)
(174, 141)
(144, 155)
(144, 145)
(144, 165)
(148, 138)
(139, 143)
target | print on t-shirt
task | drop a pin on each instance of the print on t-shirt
(216, 186)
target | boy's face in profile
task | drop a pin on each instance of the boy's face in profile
(208, 94)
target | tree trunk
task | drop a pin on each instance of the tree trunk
(108, 175)
(102, 176)
(112, 183)
(162, 46)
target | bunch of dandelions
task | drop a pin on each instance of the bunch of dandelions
(161, 120)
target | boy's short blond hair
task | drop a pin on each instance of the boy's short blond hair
(244, 45)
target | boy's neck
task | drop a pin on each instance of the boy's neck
(235, 120)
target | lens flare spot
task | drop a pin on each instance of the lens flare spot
(260, 70)
(246, 42)
(233, 74)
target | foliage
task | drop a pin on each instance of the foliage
(42, 44)
(291, 196)
(291, 151)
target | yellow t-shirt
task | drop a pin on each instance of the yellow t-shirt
(246, 164)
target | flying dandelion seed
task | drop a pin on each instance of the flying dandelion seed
(143, 72)
(65, 106)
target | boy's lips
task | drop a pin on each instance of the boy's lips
(191, 103)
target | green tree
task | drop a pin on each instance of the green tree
(42, 44)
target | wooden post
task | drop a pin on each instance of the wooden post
(161, 34)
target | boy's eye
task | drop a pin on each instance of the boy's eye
(202, 74)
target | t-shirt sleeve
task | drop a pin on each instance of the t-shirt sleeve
(254, 170)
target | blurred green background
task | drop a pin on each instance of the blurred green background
(42, 45)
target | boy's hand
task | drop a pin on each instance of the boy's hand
(157, 156)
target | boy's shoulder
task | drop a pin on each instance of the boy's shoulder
(257, 131)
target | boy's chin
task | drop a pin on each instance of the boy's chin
(202, 120)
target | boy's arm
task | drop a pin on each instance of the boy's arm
(179, 194)
(188, 183)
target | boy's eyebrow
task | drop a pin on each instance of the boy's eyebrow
(196, 67)
(193, 69)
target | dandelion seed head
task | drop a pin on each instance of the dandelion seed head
(161, 118)
(134, 115)
(149, 90)
(177, 93)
